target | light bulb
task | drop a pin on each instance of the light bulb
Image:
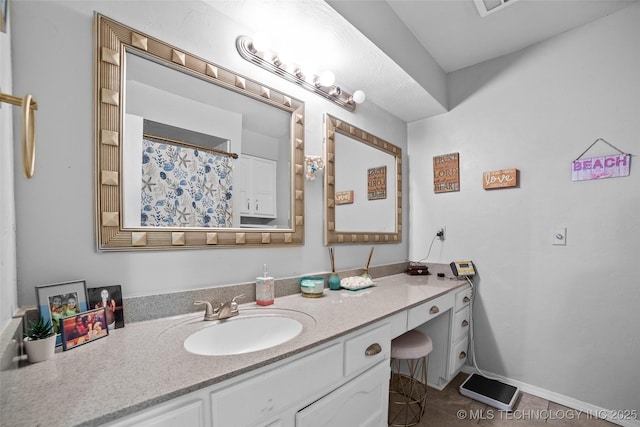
(260, 42)
(285, 55)
(326, 78)
(358, 97)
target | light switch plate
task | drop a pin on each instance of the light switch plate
(560, 236)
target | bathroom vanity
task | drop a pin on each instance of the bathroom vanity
(142, 375)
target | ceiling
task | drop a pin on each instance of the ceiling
(399, 51)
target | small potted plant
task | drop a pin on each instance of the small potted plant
(39, 340)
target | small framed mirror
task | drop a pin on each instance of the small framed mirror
(363, 186)
(190, 154)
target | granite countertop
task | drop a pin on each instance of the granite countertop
(144, 363)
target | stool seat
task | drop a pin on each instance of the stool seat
(411, 345)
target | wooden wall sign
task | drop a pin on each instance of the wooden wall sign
(612, 166)
(446, 173)
(504, 178)
(377, 183)
(344, 197)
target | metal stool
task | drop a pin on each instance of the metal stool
(408, 384)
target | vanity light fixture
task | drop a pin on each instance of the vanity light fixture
(323, 84)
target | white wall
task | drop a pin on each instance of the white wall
(53, 59)
(561, 318)
(8, 291)
(363, 215)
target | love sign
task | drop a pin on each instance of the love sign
(504, 178)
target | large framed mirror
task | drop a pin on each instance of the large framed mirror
(363, 186)
(190, 154)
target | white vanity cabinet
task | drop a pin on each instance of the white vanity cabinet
(349, 375)
(255, 184)
(342, 382)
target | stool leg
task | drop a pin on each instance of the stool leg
(407, 393)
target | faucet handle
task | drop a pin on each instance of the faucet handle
(209, 312)
(234, 304)
(237, 296)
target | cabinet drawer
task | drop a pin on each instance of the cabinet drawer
(460, 324)
(458, 356)
(367, 349)
(427, 311)
(265, 395)
(463, 298)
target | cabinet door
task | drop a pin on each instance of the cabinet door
(264, 187)
(362, 402)
(255, 186)
(241, 185)
(265, 396)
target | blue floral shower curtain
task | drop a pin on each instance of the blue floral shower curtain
(185, 187)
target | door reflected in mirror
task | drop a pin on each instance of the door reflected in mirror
(363, 186)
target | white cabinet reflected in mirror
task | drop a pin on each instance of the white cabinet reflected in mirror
(190, 154)
(363, 186)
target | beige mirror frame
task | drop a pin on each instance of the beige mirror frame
(333, 235)
(113, 40)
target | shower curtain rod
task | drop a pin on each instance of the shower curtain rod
(175, 141)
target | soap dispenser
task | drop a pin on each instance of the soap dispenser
(265, 288)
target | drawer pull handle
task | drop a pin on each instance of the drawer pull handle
(465, 299)
(434, 310)
(464, 323)
(463, 355)
(373, 349)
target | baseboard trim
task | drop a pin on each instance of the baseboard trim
(609, 415)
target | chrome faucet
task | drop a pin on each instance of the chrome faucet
(224, 311)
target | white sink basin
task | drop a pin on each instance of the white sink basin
(242, 335)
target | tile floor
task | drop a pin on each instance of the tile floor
(449, 408)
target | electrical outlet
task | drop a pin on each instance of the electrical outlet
(442, 232)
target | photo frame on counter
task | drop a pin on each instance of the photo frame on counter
(83, 328)
(59, 300)
(109, 297)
